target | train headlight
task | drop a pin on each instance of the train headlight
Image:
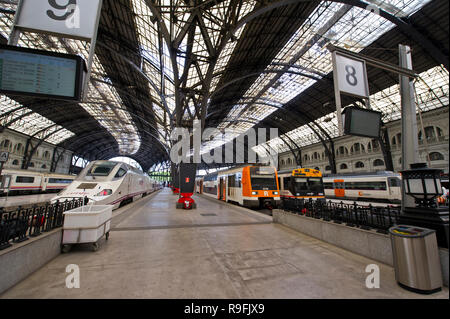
(254, 193)
(105, 192)
(275, 193)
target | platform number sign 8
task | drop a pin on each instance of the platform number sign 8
(351, 76)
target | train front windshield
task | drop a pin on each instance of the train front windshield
(308, 186)
(101, 169)
(97, 171)
(263, 178)
(316, 185)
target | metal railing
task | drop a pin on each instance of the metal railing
(354, 215)
(19, 225)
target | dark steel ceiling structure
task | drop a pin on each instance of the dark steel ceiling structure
(318, 100)
(163, 63)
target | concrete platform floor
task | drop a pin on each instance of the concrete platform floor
(156, 251)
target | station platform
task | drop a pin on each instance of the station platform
(216, 251)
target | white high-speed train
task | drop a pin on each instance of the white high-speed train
(109, 183)
(23, 182)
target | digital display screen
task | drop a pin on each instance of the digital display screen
(33, 72)
(362, 122)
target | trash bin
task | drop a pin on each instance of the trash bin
(416, 259)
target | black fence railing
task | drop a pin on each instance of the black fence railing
(354, 215)
(19, 225)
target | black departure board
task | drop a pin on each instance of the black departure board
(39, 73)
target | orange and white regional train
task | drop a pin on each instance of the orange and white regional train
(248, 186)
(383, 186)
(301, 183)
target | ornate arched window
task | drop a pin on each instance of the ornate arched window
(378, 162)
(436, 156)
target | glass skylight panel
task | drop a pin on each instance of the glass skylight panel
(306, 52)
(225, 55)
(98, 92)
(387, 101)
(24, 120)
(399, 8)
(354, 30)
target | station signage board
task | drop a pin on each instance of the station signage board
(361, 122)
(69, 18)
(40, 73)
(351, 76)
(4, 156)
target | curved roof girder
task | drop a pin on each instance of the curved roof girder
(137, 69)
(408, 29)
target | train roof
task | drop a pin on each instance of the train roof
(364, 174)
(26, 171)
(21, 171)
(59, 175)
(289, 171)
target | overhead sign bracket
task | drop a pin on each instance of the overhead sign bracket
(77, 19)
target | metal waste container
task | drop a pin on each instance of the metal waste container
(416, 258)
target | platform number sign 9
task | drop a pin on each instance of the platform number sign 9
(76, 19)
(352, 76)
(68, 9)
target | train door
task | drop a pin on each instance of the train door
(201, 187)
(395, 191)
(222, 188)
(5, 183)
(339, 188)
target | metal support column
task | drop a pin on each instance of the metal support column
(410, 143)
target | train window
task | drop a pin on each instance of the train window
(286, 182)
(24, 179)
(328, 185)
(315, 185)
(366, 185)
(301, 184)
(210, 177)
(238, 180)
(341, 185)
(120, 173)
(59, 181)
(231, 181)
(394, 182)
(101, 169)
(263, 178)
